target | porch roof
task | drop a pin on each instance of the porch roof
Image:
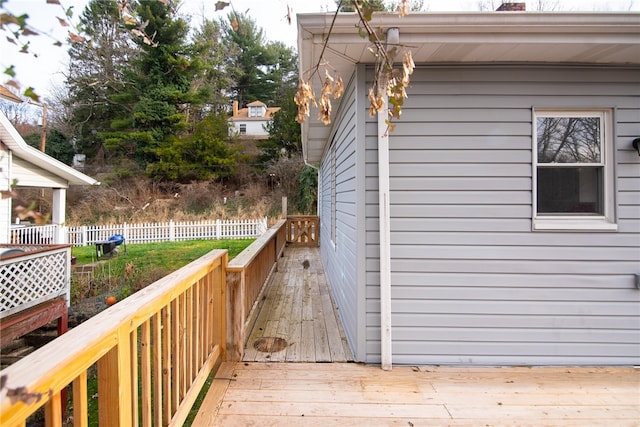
(42, 164)
(449, 38)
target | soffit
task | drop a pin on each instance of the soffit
(453, 38)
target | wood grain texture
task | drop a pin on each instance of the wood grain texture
(297, 307)
(348, 394)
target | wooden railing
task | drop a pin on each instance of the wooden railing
(303, 230)
(153, 352)
(246, 276)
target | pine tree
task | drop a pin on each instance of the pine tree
(96, 74)
(155, 114)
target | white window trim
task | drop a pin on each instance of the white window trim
(606, 222)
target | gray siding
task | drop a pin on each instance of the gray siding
(471, 283)
(342, 257)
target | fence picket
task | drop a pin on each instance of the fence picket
(142, 233)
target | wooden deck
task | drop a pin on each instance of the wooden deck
(297, 320)
(350, 394)
(297, 308)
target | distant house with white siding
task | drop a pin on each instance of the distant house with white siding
(22, 166)
(251, 121)
(499, 224)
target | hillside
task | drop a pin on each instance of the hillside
(138, 199)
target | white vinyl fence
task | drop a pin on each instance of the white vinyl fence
(144, 233)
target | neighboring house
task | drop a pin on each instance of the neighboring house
(23, 166)
(458, 238)
(251, 122)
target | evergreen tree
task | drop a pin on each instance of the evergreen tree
(204, 155)
(260, 70)
(160, 91)
(211, 82)
(284, 132)
(96, 74)
(57, 146)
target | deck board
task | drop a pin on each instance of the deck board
(347, 394)
(298, 308)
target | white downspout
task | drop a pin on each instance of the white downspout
(393, 38)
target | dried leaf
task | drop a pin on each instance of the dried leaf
(62, 21)
(221, 5)
(338, 88)
(12, 40)
(404, 7)
(53, 2)
(324, 113)
(75, 38)
(130, 20)
(128, 269)
(28, 32)
(7, 194)
(235, 25)
(367, 12)
(7, 18)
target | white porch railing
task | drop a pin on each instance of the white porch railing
(34, 276)
(144, 233)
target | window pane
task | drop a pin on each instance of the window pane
(572, 191)
(569, 140)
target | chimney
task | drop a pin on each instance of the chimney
(235, 108)
(512, 7)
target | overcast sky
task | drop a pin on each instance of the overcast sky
(45, 70)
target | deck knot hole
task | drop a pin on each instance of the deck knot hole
(270, 344)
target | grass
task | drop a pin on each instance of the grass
(139, 265)
(150, 262)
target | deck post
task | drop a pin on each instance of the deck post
(235, 315)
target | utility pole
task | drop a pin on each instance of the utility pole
(43, 138)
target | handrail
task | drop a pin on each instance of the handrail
(246, 276)
(153, 352)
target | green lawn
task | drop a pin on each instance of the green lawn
(139, 265)
(150, 262)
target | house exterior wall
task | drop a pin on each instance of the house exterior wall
(471, 282)
(254, 127)
(340, 204)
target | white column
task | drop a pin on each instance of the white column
(58, 216)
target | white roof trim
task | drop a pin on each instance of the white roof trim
(607, 39)
(12, 139)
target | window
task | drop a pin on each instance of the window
(573, 174)
(243, 129)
